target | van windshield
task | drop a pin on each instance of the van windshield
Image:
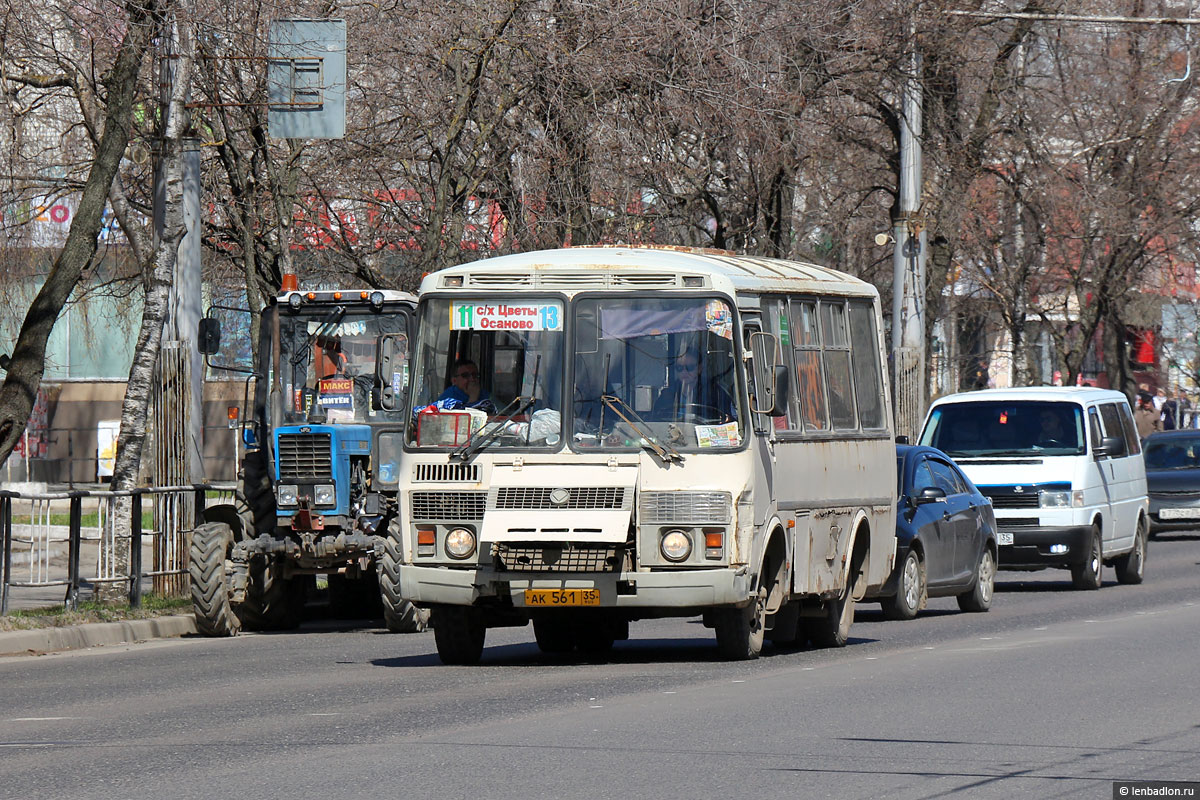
(996, 428)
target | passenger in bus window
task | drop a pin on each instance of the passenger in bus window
(693, 397)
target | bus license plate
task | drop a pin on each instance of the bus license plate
(1003, 537)
(562, 597)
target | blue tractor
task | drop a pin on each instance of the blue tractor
(320, 474)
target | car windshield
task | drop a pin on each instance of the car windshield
(655, 369)
(495, 360)
(995, 428)
(1174, 452)
(327, 362)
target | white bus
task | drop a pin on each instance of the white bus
(605, 434)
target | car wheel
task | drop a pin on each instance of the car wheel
(1088, 574)
(980, 596)
(1131, 567)
(912, 591)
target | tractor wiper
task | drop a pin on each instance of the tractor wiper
(323, 328)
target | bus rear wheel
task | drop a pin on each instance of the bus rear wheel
(832, 628)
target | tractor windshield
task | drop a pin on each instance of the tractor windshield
(327, 364)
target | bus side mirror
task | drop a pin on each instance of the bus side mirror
(208, 336)
(390, 374)
(770, 378)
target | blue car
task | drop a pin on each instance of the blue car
(945, 537)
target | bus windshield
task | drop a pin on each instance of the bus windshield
(491, 366)
(658, 368)
(327, 361)
(994, 428)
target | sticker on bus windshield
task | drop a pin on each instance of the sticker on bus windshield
(718, 319)
(501, 316)
(718, 435)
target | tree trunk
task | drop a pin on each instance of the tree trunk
(27, 364)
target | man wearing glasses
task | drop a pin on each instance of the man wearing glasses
(689, 398)
(464, 390)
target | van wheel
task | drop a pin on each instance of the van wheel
(912, 591)
(1131, 567)
(980, 596)
(832, 629)
(1087, 575)
(740, 631)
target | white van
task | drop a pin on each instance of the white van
(1063, 467)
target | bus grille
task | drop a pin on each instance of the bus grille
(449, 506)
(446, 473)
(537, 498)
(672, 508)
(565, 557)
(305, 455)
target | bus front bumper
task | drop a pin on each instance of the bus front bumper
(678, 589)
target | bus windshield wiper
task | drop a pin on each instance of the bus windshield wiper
(665, 453)
(489, 432)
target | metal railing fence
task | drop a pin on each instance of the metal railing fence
(39, 542)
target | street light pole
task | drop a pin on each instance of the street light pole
(908, 259)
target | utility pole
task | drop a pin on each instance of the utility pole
(910, 383)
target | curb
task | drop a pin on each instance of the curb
(76, 637)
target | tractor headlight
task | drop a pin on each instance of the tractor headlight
(286, 494)
(675, 545)
(324, 495)
(460, 543)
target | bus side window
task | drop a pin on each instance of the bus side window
(864, 355)
(810, 381)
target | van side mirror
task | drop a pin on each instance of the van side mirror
(208, 336)
(930, 494)
(1110, 446)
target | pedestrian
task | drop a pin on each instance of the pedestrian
(1170, 412)
(1146, 418)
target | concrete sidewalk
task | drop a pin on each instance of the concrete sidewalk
(76, 637)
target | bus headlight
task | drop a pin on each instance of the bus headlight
(675, 545)
(460, 543)
(324, 495)
(285, 494)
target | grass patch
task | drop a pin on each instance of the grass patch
(90, 611)
(89, 520)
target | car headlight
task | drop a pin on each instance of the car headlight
(460, 543)
(324, 495)
(675, 545)
(286, 493)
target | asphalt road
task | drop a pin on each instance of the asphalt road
(1054, 693)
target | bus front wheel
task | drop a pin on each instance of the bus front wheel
(740, 631)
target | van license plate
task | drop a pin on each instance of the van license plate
(1003, 537)
(562, 597)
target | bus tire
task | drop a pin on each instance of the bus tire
(399, 615)
(554, 635)
(459, 633)
(832, 628)
(208, 571)
(740, 631)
